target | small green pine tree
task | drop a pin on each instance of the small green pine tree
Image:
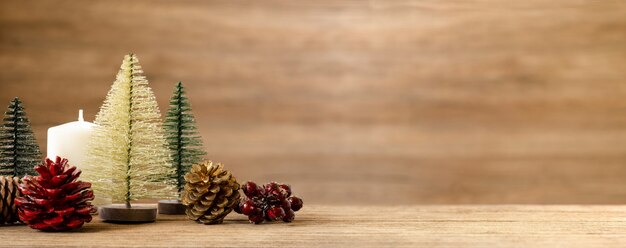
(182, 136)
(19, 151)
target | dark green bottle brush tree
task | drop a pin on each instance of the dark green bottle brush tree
(184, 142)
(19, 151)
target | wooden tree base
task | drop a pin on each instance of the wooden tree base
(121, 214)
(171, 207)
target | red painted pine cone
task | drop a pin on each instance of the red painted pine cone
(55, 200)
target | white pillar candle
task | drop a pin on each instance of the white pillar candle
(70, 141)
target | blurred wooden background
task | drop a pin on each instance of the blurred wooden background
(356, 102)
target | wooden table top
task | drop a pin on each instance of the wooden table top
(343, 226)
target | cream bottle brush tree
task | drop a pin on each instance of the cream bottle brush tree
(128, 149)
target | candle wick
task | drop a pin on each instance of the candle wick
(80, 115)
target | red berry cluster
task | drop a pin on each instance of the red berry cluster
(271, 202)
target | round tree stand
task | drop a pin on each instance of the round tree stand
(122, 214)
(171, 207)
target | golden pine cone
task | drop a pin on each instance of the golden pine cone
(8, 192)
(210, 193)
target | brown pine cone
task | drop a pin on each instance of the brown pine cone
(8, 192)
(210, 193)
(55, 200)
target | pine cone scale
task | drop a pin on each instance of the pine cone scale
(84, 210)
(42, 202)
(64, 212)
(55, 221)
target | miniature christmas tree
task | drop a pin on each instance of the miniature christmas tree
(182, 136)
(184, 143)
(128, 149)
(19, 152)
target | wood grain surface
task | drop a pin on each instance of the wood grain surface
(356, 102)
(333, 226)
